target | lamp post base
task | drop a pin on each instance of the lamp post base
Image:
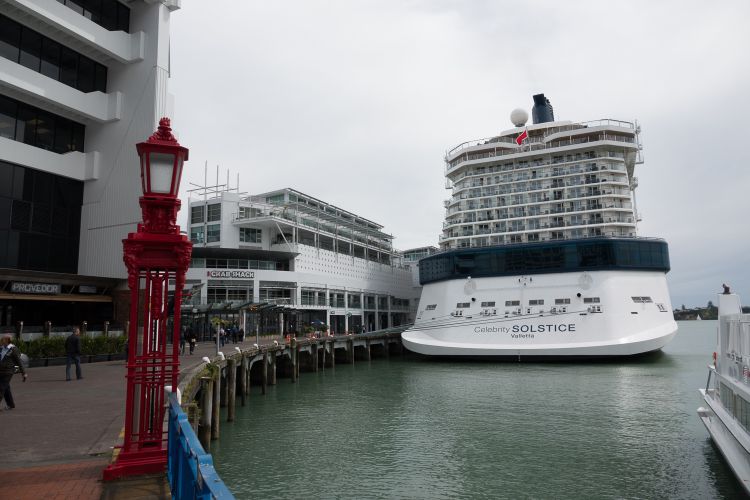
(136, 463)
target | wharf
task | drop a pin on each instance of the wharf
(61, 434)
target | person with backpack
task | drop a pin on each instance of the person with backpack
(10, 357)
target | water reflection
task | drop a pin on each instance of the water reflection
(405, 428)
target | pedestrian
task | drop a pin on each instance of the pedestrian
(242, 334)
(183, 334)
(73, 352)
(10, 357)
(222, 335)
(192, 340)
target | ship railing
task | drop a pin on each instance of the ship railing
(534, 145)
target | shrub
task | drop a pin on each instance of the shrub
(54, 347)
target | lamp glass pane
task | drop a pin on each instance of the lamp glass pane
(178, 175)
(161, 172)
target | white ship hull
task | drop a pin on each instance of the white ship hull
(601, 319)
(729, 436)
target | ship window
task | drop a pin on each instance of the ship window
(662, 307)
(536, 302)
(463, 305)
(488, 304)
(510, 303)
(591, 300)
(431, 307)
(642, 300)
(562, 301)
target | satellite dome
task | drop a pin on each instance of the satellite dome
(519, 117)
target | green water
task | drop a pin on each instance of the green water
(408, 428)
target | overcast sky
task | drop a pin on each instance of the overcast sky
(356, 102)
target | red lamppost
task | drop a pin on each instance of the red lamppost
(154, 255)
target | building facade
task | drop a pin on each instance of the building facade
(282, 261)
(81, 82)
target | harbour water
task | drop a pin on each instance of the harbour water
(415, 428)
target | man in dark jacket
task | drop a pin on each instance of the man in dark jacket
(73, 351)
(10, 357)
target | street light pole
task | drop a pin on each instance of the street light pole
(154, 255)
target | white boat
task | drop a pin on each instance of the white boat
(727, 393)
(539, 250)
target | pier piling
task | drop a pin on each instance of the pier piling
(243, 380)
(350, 350)
(215, 413)
(294, 354)
(274, 358)
(224, 386)
(204, 427)
(231, 388)
(264, 374)
(369, 352)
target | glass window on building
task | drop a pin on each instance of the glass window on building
(308, 297)
(197, 235)
(250, 235)
(237, 294)
(214, 212)
(216, 294)
(213, 233)
(196, 214)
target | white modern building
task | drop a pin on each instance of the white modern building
(81, 82)
(283, 260)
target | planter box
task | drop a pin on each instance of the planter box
(56, 361)
(119, 356)
(96, 358)
(37, 362)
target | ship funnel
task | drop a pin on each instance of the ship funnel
(542, 111)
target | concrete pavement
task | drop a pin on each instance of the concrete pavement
(63, 429)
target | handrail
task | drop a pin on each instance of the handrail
(190, 469)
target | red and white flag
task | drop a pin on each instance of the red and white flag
(524, 135)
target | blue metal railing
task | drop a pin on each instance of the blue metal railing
(190, 469)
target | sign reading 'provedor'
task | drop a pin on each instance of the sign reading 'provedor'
(46, 288)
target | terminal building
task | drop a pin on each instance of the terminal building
(81, 82)
(283, 262)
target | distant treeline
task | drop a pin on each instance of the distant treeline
(708, 312)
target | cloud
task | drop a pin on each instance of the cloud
(356, 102)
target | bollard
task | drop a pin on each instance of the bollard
(204, 428)
(264, 373)
(231, 388)
(293, 354)
(215, 406)
(243, 380)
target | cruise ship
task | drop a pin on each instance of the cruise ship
(539, 254)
